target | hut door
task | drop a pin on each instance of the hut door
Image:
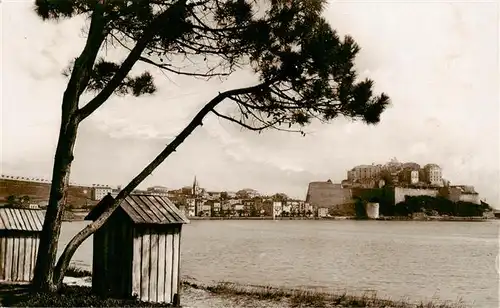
(119, 259)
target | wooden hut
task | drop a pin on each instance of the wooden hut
(137, 250)
(19, 238)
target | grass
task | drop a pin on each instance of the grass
(78, 296)
(70, 296)
(77, 272)
(309, 298)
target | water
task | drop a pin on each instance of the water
(414, 260)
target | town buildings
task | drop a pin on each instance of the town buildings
(247, 193)
(409, 175)
(158, 191)
(100, 191)
(399, 180)
(394, 173)
(364, 172)
(323, 212)
(433, 175)
(197, 201)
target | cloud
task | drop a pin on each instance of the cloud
(438, 61)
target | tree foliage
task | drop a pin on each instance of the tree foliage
(360, 208)
(439, 205)
(306, 67)
(304, 71)
(14, 201)
(280, 197)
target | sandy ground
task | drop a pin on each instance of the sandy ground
(84, 282)
(193, 297)
(196, 298)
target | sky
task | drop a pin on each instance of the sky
(437, 60)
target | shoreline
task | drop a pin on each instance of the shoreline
(77, 293)
(388, 218)
(436, 218)
(71, 216)
(272, 296)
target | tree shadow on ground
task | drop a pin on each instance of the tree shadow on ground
(17, 295)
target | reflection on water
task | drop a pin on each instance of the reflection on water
(417, 260)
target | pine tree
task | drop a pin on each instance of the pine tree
(306, 71)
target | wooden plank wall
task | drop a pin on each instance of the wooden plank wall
(155, 273)
(18, 257)
(112, 260)
(98, 261)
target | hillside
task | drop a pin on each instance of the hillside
(78, 196)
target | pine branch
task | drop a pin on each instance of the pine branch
(75, 242)
(241, 123)
(169, 68)
(129, 62)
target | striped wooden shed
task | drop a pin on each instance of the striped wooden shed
(19, 238)
(137, 250)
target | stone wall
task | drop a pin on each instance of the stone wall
(376, 194)
(327, 195)
(35, 190)
(450, 193)
(346, 209)
(341, 196)
(401, 192)
(472, 198)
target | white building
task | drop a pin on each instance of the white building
(277, 208)
(217, 207)
(287, 208)
(33, 206)
(433, 174)
(472, 198)
(322, 212)
(157, 189)
(191, 206)
(99, 192)
(414, 177)
(206, 210)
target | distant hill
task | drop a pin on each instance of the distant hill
(78, 196)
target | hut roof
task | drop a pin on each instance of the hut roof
(143, 209)
(21, 219)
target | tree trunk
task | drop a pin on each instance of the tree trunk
(44, 278)
(80, 76)
(47, 250)
(79, 238)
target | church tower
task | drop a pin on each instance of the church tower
(196, 187)
(195, 193)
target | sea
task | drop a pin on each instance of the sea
(411, 260)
